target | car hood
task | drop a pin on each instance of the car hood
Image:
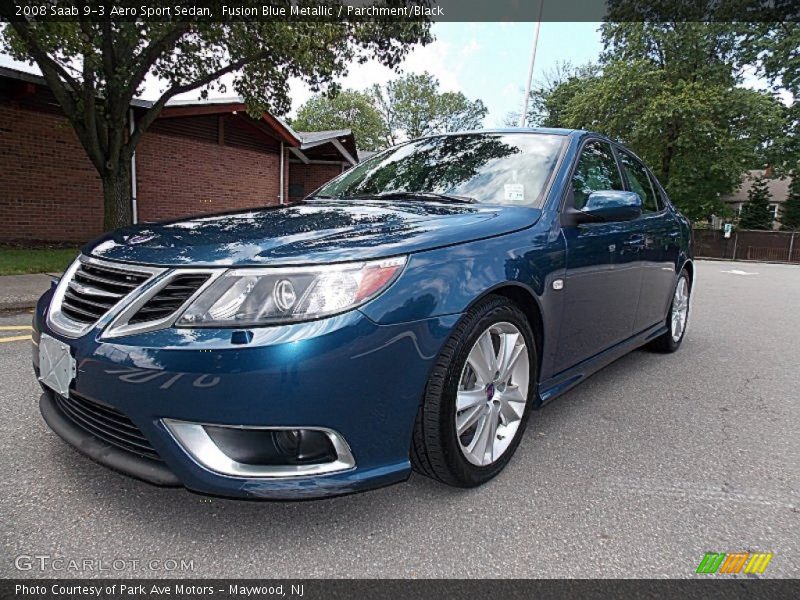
(310, 233)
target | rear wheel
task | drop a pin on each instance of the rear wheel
(678, 317)
(478, 397)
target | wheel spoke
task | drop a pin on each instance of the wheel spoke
(511, 410)
(468, 418)
(469, 398)
(678, 327)
(509, 354)
(483, 359)
(481, 440)
(491, 437)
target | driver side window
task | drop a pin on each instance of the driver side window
(596, 170)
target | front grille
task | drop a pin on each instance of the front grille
(169, 298)
(94, 289)
(107, 424)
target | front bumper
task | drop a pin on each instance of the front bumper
(345, 374)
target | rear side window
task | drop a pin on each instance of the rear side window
(596, 170)
(639, 182)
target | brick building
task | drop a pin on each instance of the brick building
(196, 158)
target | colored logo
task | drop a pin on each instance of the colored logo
(741, 562)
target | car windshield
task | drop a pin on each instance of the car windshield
(491, 168)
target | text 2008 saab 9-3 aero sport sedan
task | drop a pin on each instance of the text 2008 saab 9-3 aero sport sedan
(409, 314)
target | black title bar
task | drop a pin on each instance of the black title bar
(707, 588)
(403, 10)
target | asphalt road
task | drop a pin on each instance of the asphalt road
(636, 473)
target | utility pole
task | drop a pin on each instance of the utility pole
(524, 114)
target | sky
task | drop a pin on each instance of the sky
(488, 61)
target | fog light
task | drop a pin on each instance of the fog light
(273, 446)
(242, 451)
(304, 446)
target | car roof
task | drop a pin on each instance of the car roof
(547, 130)
(540, 130)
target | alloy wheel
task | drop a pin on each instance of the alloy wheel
(680, 309)
(492, 394)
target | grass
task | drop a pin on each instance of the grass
(18, 261)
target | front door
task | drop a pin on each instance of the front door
(603, 275)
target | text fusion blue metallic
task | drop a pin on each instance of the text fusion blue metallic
(293, 351)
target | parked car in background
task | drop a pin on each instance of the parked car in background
(410, 313)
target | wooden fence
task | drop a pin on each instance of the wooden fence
(772, 246)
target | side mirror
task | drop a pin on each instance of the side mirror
(609, 205)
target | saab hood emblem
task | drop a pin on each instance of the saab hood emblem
(140, 238)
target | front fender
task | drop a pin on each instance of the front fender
(446, 281)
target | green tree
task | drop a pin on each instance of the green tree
(348, 109)
(669, 91)
(96, 66)
(756, 213)
(552, 94)
(412, 106)
(790, 212)
(771, 46)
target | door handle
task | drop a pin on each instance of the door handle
(637, 242)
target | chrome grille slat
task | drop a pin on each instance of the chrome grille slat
(95, 288)
(83, 315)
(169, 298)
(80, 288)
(105, 306)
(109, 282)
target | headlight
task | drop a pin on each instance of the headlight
(263, 296)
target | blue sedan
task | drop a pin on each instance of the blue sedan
(410, 314)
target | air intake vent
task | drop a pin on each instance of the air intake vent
(94, 289)
(107, 424)
(169, 298)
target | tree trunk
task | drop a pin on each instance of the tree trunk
(117, 210)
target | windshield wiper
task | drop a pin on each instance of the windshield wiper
(417, 196)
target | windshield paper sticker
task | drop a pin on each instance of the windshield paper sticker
(515, 192)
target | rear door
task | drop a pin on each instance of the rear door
(660, 239)
(603, 278)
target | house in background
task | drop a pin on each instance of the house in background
(197, 157)
(778, 191)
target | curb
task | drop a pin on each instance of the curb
(12, 307)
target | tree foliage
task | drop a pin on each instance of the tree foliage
(670, 91)
(551, 95)
(95, 67)
(773, 49)
(412, 106)
(348, 109)
(790, 212)
(756, 213)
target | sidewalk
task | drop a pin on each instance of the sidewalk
(20, 292)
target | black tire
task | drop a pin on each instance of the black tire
(665, 343)
(435, 449)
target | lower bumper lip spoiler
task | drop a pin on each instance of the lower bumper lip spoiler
(101, 452)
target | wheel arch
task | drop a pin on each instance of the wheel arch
(688, 264)
(525, 299)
